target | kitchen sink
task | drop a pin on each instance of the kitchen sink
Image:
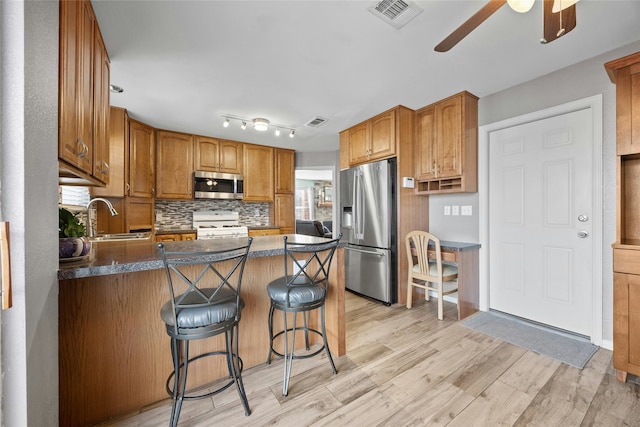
(117, 237)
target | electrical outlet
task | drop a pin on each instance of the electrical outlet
(466, 210)
(447, 210)
(455, 210)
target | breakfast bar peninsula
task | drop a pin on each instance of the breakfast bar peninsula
(114, 352)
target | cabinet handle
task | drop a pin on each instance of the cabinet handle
(127, 188)
(84, 149)
(105, 167)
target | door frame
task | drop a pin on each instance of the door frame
(594, 104)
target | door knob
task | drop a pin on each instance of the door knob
(583, 234)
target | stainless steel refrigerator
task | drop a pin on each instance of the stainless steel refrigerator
(368, 224)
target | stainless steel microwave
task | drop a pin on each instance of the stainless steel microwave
(217, 185)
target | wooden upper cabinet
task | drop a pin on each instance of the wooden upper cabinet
(83, 97)
(118, 149)
(216, 155)
(285, 171)
(372, 140)
(625, 73)
(101, 71)
(141, 160)
(258, 173)
(174, 168)
(284, 213)
(76, 45)
(446, 150)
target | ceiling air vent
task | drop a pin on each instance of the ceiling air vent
(396, 13)
(315, 122)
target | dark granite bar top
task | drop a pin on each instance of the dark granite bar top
(132, 256)
(263, 227)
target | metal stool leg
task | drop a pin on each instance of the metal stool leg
(234, 367)
(270, 325)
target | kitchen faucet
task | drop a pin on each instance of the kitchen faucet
(92, 231)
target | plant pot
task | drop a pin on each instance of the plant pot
(74, 247)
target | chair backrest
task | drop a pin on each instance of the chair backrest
(310, 228)
(198, 278)
(308, 263)
(419, 244)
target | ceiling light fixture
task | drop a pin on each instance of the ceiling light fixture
(260, 124)
(521, 6)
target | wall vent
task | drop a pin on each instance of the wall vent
(396, 13)
(316, 122)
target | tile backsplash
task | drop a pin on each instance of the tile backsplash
(178, 214)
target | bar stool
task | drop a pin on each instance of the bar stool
(302, 289)
(205, 301)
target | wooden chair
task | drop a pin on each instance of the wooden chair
(426, 270)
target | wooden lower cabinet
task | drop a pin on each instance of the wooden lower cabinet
(175, 237)
(626, 324)
(264, 232)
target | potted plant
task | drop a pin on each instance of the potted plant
(71, 231)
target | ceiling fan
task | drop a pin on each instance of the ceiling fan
(559, 17)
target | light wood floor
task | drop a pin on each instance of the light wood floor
(406, 368)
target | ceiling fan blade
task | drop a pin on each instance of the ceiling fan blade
(552, 27)
(469, 25)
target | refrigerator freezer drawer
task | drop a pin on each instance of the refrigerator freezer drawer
(368, 272)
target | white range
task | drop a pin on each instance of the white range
(218, 225)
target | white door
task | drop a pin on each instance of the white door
(540, 221)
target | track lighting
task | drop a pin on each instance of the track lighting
(260, 124)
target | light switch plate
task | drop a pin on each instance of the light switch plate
(455, 210)
(447, 210)
(467, 210)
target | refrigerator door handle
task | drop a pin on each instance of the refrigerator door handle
(380, 254)
(358, 202)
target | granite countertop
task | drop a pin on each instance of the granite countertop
(262, 227)
(132, 256)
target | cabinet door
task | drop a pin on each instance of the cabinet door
(628, 110)
(626, 323)
(359, 143)
(284, 215)
(118, 143)
(206, 154)
(383, 136)
(258, 173)
(285, 171)
(188, 236)
(141, 160)
(84, 95)
(140, 214)
(230, 155)
(101, 158)
(75, 144)
(174, 170)
(449, 138)
(424, 148)
(167, 237)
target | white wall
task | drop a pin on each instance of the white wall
(29, 128)
(569, 84)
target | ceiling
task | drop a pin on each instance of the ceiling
(184, 64)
